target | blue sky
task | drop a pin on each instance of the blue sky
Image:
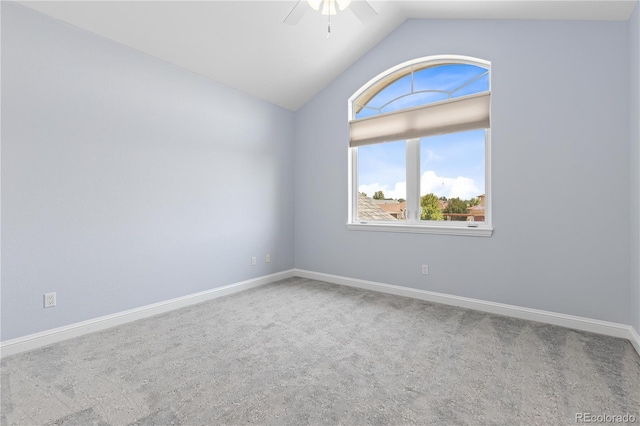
(451, 165)
(429, 85)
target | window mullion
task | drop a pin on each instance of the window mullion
(353, 182)
(487, 176)
(413, 180)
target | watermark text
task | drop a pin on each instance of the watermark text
(605, 418)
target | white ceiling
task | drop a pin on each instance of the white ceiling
(244, 44)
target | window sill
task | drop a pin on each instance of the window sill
(479, 231)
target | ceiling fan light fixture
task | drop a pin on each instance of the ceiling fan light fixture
(315, 4)
(329, 7)
(361, 9)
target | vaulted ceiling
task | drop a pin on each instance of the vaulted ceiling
(246, 45)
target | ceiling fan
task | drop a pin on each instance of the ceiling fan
(361, 8)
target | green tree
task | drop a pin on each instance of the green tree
(379, 195)
(456, 205)
(430, 208)
(401, 200)
(473, 202)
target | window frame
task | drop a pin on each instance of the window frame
(413, 224)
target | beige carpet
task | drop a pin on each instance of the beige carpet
(304, 352)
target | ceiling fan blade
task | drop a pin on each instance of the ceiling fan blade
(363, 11)
(296, 14)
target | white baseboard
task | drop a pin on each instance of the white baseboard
(563, 320)
(44, 338)
(635, 339)
(48, 337)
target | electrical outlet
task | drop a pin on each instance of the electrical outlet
(267, 258)
(254, 261)
(49, 300)
(425, 269)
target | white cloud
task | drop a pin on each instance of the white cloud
(461, 186)
(398, 191)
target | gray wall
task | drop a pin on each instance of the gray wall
(128, 181)
(560, 129)
(634, 139)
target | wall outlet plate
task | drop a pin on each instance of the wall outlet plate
(425, 269)
(267, 258)
(254, 261)
(49, 300)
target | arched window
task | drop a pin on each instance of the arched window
(419, 147)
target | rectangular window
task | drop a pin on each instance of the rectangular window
(436, 184)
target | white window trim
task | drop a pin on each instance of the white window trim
(413, 224)
(421, 229)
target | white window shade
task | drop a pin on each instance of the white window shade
(453, 115)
